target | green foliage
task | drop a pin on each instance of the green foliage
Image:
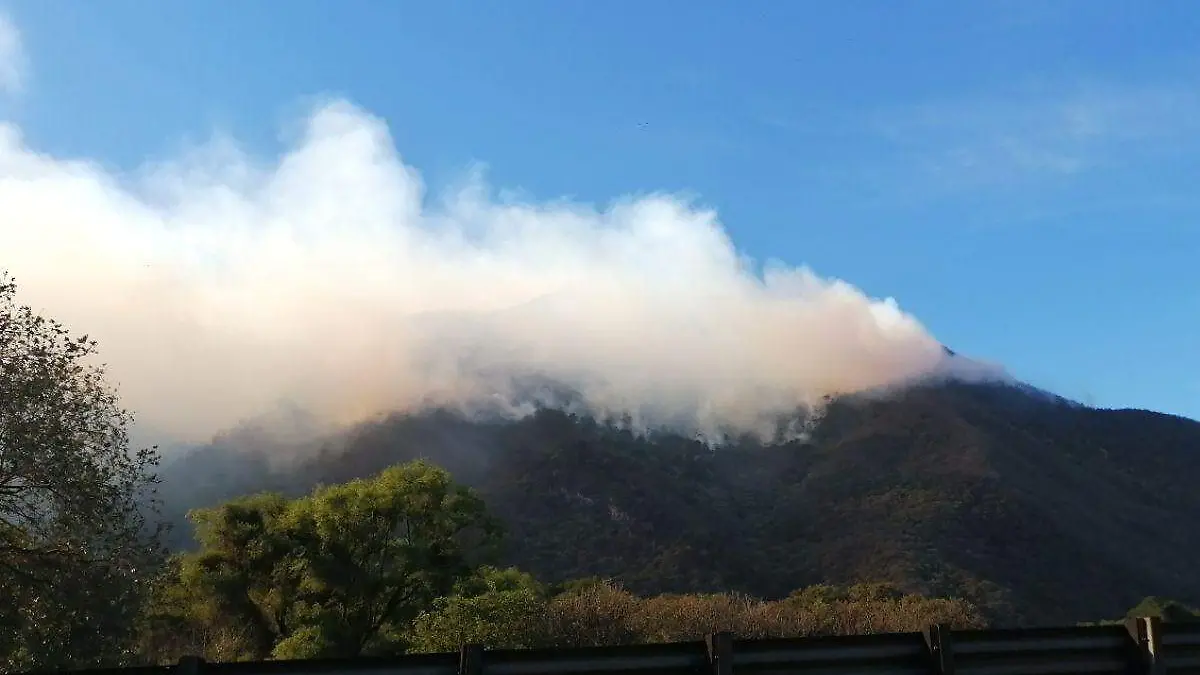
(75, 543)
(928, 492)
(341, 572)
(241, 585)
(391, 564)
(979, 491)
(498, 608)
(1166, 609)
(180, 619)
(572, 586)
(1171, 611)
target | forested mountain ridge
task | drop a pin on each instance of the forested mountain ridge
(1039, 510)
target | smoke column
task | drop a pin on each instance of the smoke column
(222, 287)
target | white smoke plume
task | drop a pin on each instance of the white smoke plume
(221, 287)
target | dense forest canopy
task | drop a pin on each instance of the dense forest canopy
(1039, 511)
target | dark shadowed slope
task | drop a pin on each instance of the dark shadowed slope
(1043, 510)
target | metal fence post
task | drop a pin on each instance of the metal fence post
(1147, 639)
(1154, 645)
(190, 665)
(720, 652)
(939, 640)
(470, 660)
(1139, 657)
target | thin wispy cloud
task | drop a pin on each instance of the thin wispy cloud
(1052, 132)
(13, 61)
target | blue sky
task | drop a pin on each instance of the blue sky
(1019, 176)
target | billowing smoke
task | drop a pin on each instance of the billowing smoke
(222, 287)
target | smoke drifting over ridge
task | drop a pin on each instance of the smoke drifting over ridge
(220, 287)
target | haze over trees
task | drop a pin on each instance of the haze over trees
(393, 563)
(391, 554)
(75, 544)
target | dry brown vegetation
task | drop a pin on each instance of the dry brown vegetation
(603, 614)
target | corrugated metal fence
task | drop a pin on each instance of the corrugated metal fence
(1139, 647)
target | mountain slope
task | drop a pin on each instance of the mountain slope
(1042, 510)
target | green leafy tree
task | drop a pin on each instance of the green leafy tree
(1171, 611)
(179, 619)
(497, 608)
(343, 571)
(75, 541)
(236, 597)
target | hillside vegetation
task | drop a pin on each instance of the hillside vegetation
(955, 504)
(1039, 511)
(399, 563)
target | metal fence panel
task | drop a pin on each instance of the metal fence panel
(1141, 647)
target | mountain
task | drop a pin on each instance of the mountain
(1041, 510)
